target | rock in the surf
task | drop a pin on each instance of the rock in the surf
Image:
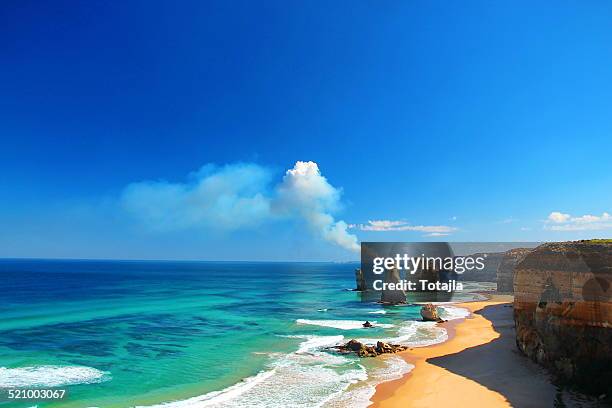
(360, 281)
(363, 350)
(429, 313)
(395, 296)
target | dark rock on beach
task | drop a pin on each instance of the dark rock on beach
(363, 350)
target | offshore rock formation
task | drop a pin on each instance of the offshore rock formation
(363, 350)
(360, 281)
(429, 313)
(505, 270)
(563, 311)
(392, 297)
(489, 273)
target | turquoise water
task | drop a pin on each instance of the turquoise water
(122, 334)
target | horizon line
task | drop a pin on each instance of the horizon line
(165, 260)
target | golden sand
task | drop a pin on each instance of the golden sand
(428, 385)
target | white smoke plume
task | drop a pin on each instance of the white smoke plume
(305, 193)
(228, 198)
(239, 196)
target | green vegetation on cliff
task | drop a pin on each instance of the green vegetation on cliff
(597, 241)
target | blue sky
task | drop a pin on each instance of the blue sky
(481, 120)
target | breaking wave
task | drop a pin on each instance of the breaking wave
(50, 376)
(342, 324)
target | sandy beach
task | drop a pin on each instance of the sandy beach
(479, 366)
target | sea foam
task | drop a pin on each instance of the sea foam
(308, 377)
(414, 334)
(342, 324)
(50, 376)
(452, 312)
(314, 377)
(360, 394)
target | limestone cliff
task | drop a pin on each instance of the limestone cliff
(505, 270)
(488, 274)
(563, 311)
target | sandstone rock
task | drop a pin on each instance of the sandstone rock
(392, 297)
(367, 324)
(363, 350)
(354, 345)
(505, 270)
(430, 313)
(563, 311)
(489, 273)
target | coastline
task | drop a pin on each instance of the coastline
(430, 385)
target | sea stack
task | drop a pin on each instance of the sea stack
(488, 273)
(505, 270)
(360, 283)
(396, 296)
(429, 313)
(563, 311)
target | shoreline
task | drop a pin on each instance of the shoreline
(429, 385)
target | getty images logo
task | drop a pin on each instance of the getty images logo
(412, 264)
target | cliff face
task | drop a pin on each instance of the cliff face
(505, 270)
(488, 274)
(563, 311)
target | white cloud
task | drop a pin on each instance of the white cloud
(389, 225)
(239, 196)
(382, 225)
(558, 221)
(586, 219)
(558, 217)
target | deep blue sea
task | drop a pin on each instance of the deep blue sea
(195, 334)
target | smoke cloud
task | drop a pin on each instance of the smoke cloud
(241, 195)
(228, 198)
(306, 194)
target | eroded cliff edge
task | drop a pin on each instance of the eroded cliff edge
(507, 265)
(563, 311)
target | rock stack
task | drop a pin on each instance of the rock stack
(360, 282)
(488, 273)
(429, 313)
(505, 270)
(392, 297)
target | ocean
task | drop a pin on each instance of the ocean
(196, 334)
